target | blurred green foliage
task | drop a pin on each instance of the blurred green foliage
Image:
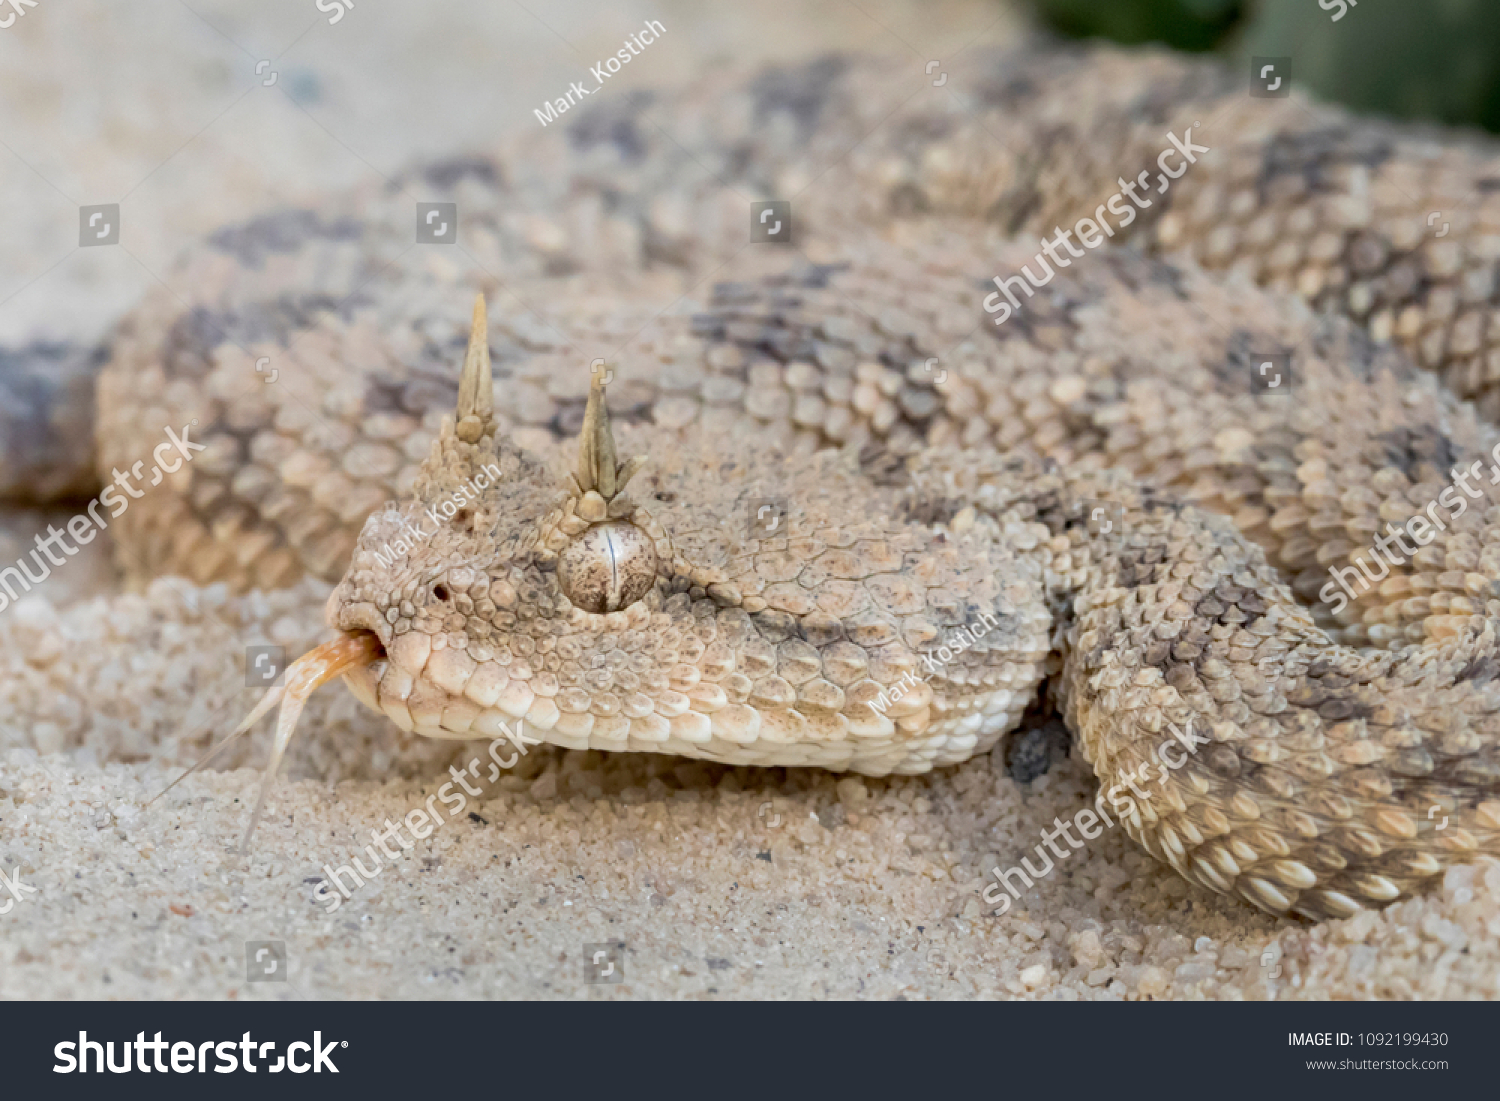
(1181, 24)
(1433, 59)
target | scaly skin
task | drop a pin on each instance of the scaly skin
(1313, 763)
(1312, 795)
(587, 234)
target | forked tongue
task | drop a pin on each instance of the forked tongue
(303, 677)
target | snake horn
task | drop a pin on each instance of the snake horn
(476, 387)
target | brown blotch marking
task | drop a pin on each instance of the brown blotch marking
(1240, 354)
(251, 242)
(884, 467)
(1343, 708)
(801, 91)
(1162, 99)
(424, 389)
(1047, 318)
(1314, 154)
(1408, 448)
(775, 626)
(614, 122)
(1480, 671)
(1335, 340)
(451, 171)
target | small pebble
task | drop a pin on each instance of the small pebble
(852, 792)
(1035, 976)
(1152, 981)
(1087, 950)
(48, 738)
(1194, 971)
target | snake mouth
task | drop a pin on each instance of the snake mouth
(403, 683)
(359, 655)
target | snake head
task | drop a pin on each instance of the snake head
(481, 584)
(496, 596)
(461, 605)
(676, 622)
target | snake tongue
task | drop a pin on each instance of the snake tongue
(306, 675)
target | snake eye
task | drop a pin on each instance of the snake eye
(609, 567)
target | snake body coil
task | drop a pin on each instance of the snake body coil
(931, 471)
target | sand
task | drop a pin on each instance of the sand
(720, 882)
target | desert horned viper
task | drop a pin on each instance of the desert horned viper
(936, 481)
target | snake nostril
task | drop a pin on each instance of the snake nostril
(440, 591)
